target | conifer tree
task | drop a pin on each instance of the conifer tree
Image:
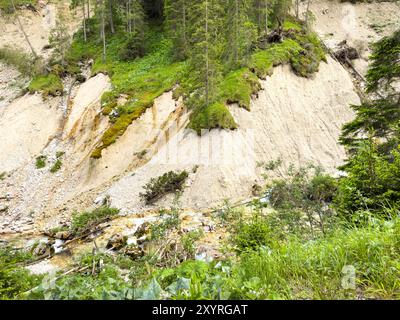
(176, 17)
(206, 46)
(240, 32)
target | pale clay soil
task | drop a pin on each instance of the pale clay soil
(293, 118)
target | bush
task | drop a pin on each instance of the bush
(14, 279)
(167, 183)
(252, 235)
(82, 222)
(41, 162)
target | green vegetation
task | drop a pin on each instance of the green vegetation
(2, 175)
(13, 278)
(83, 222)
(141, 80)
(57, 165)
(373, 139)
(24, 63)
(158, 187)
(215, 115)
(238, 86)
(41, 162)
(7, 6)
(49, 84)
(145, 59)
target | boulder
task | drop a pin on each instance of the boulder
(134, 251)
(142, 230)
(117, 242)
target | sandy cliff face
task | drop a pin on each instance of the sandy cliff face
(295, 119)
(360, 24)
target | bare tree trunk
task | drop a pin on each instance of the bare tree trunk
(184, 27)
(236, 53)
(307, 10)
(207, 58)
(84, 20)
(103, 33)
(266, 16)
(297, 8)
(110, 16)
(23, 31)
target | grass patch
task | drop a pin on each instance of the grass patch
(238, 86)
(21, 60)
(7, 7)
(82, 222)
(41, 162)
(47, 84)
(263, 61)
(140, 80)
(167, 183)
(214, 116)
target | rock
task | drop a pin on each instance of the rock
(117, 241)
(3, 208)
(63, 235)
(133, 251)
(142, 230)
(142, 239)
(42, 249)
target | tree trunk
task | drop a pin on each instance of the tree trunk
(23, 31)
(236, 48)
(266, 16)
(184, 27)
(110, 16)
(307, 10)
(84, 20)
(88, 9)
(103, 33)
(207, 57)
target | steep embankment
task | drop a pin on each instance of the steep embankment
(293, 118)
(359, 24)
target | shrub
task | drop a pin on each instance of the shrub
(56, 166)
(252, 235)
(167, 183)
(41, 162)
(82, 222)
(14, 279)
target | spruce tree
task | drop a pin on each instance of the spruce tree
(206, 46)
(240, 32)
(176, 17)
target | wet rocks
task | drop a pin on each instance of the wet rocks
(142, 230)
(133, 251)
(117, 242)
(43, 248)
(63, 235)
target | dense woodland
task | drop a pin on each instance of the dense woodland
(212, 52)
